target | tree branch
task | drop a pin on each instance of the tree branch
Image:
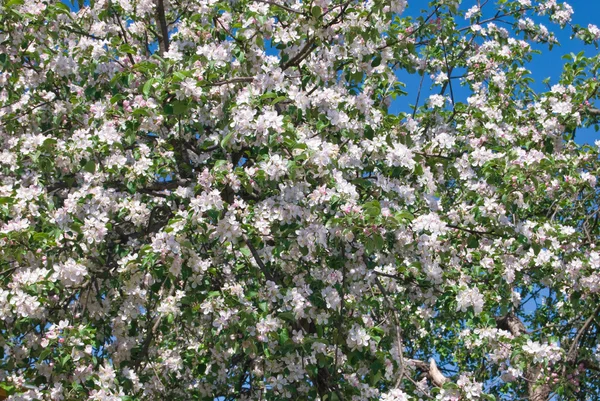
(259, 261)
(572, 354)
(231, 81)
(431, 371)
(533, 373)
(397, 332)
(163, 38)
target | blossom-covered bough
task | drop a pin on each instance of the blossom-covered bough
(207, 199)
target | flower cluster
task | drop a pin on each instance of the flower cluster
(217, 199)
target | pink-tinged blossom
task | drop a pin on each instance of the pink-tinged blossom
(94, 228)
(430, 222)
(21, 303)
(562, 108)
(470, 297)
(436, 101)
(275, 167)
(332, 298)
(542, 352)
(71, 273)
(357, 337)
(207, 201)
(228, 228)
(266, 326)
(18, 224)
(401, 156)
(594, 31)
(166, 242)
(511, 374)
(395, 395)
(471, 389)
(109, 134)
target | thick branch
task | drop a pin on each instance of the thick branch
(593, 111)
(533, 374)
(163, 38)
(302, 54)
(150, 333)
(431, 371)
(511, 323)
(397, 332)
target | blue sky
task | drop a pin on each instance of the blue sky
(548, 64)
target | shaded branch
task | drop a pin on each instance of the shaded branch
(397, 332)
(533, 373)
(259, 261)
(572, 354)
(231, 81)
(163, 38)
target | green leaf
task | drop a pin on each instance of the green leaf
(148, 86)
(316, 12)
(279, 99)
(180, 75)
(376, 61)
(473, 241)
(117, 98)
(333, 397)
(144, 66)
(62, 6)
(45, 354)
(404, 215)
(13, 3)
(180, 107)
(287, 316)
(450, 386)
(49, 142)
(226, 139)
(65, 359)
(90, 166)
(283, 336)
(376, 378)
(372, 208)
(127, 49)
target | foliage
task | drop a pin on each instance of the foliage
(211, 198)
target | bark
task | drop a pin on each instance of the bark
(533, 374)
(163, 39)
(430, 370)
